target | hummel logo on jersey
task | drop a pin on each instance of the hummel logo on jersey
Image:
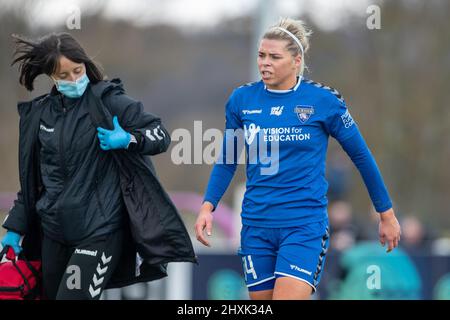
(252, 111)
(42, 127)
(276, 111)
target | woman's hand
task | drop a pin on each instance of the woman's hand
(12, 239)
(113, 139)
(204, 220)
(389, 229)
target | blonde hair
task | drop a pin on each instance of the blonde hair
(298, 29)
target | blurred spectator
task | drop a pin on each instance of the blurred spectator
(441, 246)
(413, 231)
(338, 176)
(343, 229)
(414, 238)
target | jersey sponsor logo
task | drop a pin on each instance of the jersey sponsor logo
(281, 134)
(304, 113)
(285, 134)
(347, 119)
(276, 111)
(251, 132)
(257, 111)
(42, 127)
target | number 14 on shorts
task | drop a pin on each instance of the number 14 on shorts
(248, 267)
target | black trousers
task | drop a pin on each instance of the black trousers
(80, 272)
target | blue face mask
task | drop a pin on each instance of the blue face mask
(73, 89)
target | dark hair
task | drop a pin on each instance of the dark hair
(36, 57)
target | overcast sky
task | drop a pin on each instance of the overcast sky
(326, 14)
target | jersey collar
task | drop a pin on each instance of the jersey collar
(299, 80)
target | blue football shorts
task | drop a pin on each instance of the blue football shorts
(269, 253)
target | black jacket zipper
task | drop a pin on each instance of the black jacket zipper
(61, 143)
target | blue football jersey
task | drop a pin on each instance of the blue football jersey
(286, 138)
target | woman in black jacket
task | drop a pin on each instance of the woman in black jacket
(86, 188)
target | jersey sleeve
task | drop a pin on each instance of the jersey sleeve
(339, 122)
(232, 117)
(224, 169)
(344, 129)
(360, 154)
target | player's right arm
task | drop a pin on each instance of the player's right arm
(222, 173)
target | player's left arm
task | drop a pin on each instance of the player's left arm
(341, 125)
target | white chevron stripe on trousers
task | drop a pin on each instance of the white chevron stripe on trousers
(101, 269)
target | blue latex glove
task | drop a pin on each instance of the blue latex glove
(113, 139)
(12, 239)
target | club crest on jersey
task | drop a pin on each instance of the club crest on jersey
(304, 113)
